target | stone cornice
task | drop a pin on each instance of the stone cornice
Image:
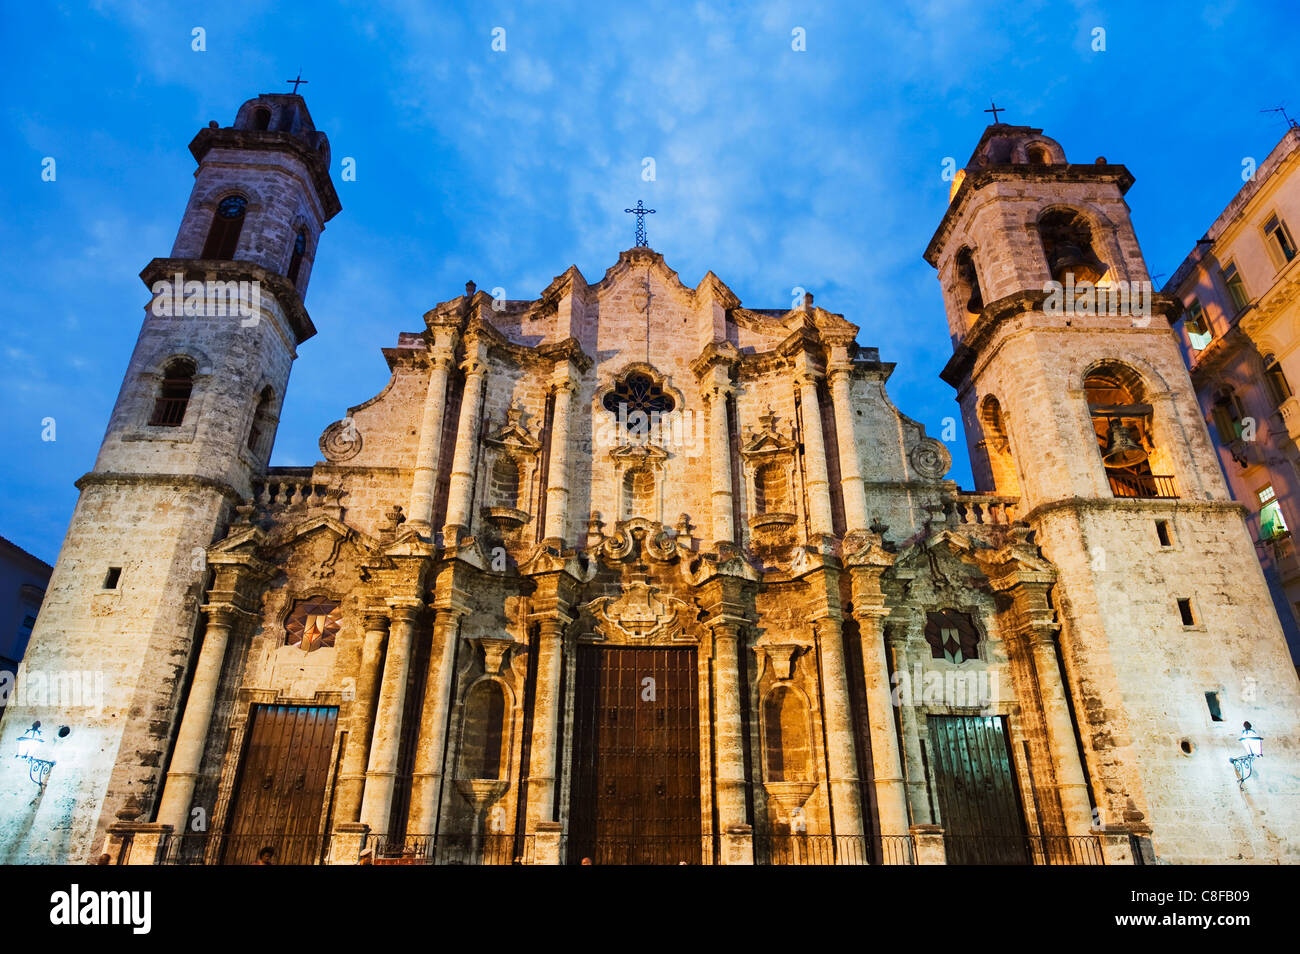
(103, 478)
(200, 269)
(273, 141)
(1134, 504)
(996, 313)
(1018, 172)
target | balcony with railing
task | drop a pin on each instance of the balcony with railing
(1148, 486)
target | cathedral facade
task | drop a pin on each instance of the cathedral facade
(634, 573)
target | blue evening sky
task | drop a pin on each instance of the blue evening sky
(775, 168)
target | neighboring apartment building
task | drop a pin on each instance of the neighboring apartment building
(1240, 333)
(23, 579)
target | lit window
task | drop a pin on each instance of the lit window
(1271, 524)
(1236, 287)
(1198, 326)
(1280, 244)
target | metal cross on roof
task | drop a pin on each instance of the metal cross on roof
(995, 110)
(640, 212)
(295, 82)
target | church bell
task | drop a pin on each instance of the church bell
(1121, 448)
(1069, 258)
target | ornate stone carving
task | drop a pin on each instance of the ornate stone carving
(642, 613)
(341, 441)
(930, 459)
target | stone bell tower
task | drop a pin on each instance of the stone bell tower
(1075, 398)
(194, 422)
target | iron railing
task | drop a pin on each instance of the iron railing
(797, 849)
(1022, 850)
(644, 850)
(1151, 486)
(452, 849)
(169, 411)
(215, 848)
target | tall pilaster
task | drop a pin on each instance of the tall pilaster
(461, 487)
(840, 373)
(431, 748)
(816, 475)
(187, 754)
(841, 759)
(425, 479)
(869, 611)
(565, 385)
(381, 774)
(352, 775)
(546, 715)
(721, 502)
(917, 785)
(729, 723)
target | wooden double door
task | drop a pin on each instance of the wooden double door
(980, 807)
(280, 793)
(635, 795)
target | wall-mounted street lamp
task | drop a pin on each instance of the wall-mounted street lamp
(1254, 746)
(30, 747)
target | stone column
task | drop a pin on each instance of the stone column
(886, 761)
(425, 480)
(461, 487)
(431, 749)
(557, 476)
(546, 714)
(720, 498)
(1060, 734)
(352, 774)
(381, 773)
(917, 785)
(187, 755)
(816, 476)
(851, 486)
(729, 738)
(846, 805)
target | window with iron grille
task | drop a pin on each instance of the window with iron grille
(173, 395)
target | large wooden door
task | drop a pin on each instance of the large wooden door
(636, 769)
(979, 802)
(280, 793)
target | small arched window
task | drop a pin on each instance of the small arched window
(174, 394)
(1279, 389)
(295, 260)
(261, 421)
(1039, 156)
(223, 235)
(997, 444)
(261, 118)
(968, 282)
